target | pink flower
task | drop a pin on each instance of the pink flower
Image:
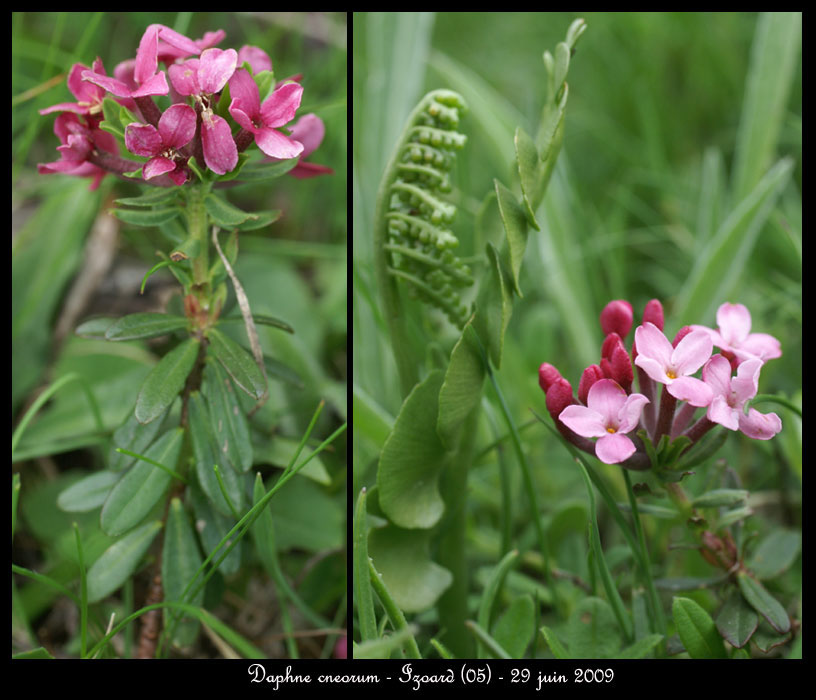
(168, 53)
(734, 335)
(262, 120)
(608, 416)
(308, 130)
(616, 317)
(672, 366)
(176, 129)
(731, 395)
(257, 58)
(89, 96)
(78, 142)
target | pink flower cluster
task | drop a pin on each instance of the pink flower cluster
(608, 410)
(189, 126)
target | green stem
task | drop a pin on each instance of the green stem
(197, 224)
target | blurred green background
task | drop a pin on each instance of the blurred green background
(680, 178)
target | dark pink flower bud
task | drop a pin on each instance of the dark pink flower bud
(617, 318)
(612, 340)
(653, 313)
(559, 396)
(547, 376)
(591, 375)
(618, 366)
(682, 333)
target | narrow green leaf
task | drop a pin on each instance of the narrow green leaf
(493, 307)
(736, 621)
(362, 586)
(593, 630)
(261, 219)
(529, 169)
(263, 172)
(132, 436)
(516, 626)
(211, 527)
(239, 364)
(763, 602)
(370, 419)
(141, 488)
(229, 425)
(412, 460)
(119, 561)
(145, 325)
(461, 390)
(556, 647)
(150, 217)
(165, 381)
(94, 328)
(515, 228)
(484, 638)
(641, 647)
(720, 497)
(493, 586)
(271, 321)
(225, 214)
(38, 653)
(697, 630)
(159, 195)
(15, 496)
(180, 561)
(88, 493)
(775, 554)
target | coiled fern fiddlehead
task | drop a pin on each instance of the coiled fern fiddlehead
(411, 240)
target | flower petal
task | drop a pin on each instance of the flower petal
(147, 56)
(243, 90)
(695, 391)
(583, 420)
(143, 139)
(155, 85)
(691, 352)
(607, 398)
(746, 384)
(157, 166)
(720, 412)
(220, 151)
(280, 107)
(309, 130)
(629, 414)
(653, 344)
(717, 374)
(614, 448)
(215, 69)
(184, 77)
(274, 143)
(257, 58)
(112, 85)
(177, 126)
(734, 321)
(760, 345)
(760, 426)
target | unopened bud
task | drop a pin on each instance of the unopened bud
(591, 375)
(618, 366)
(559, 396)
(547, 376)
(682, 333)
(653, 313)
(609, 343)
(616, 317)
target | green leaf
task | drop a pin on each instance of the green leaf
(362, 585)
(263, 172)
(775, 554)
(180, 562)
(94, 328)
(515, 228)
(763, 602)
(261, 220)
(145, 325)
(736, 621)
(140, 489)
(212, 527)
(494, 307)
(556, 647)
(529, 169)
(461, 390)
(119, 561)
(166, 380)
(641, 647)
(151, 217)
(227, 420)
(225, 214)
(593, 631)
(401, 557)
(516, 626)
(159, 195)
(132, 436)
(412, 459)
(369, 418)
(88, 493)
(720, 497)
(240, 365)
(38, 653)
(697, 630)
(205, 456)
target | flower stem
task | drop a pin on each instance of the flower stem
(197, 225)
(665, 415)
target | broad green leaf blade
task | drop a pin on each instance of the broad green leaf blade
(775, 554)
(206, 457)
(146, 217)
(697, 630)
(515, 228)
(144, 325)
(132, 436)
(369, 418)
(165, 381)
(412, 459)
(556, 647)
(211, 527)
(88, 493)
(263, 172)
(461, 391)
(737, 621)
(260, 219)
(720, 497)
(763, 602)
(140, 489)
(227, 420)
(516, 626)
(239, 364)
(225, 214)
(401, 557)
(180, 561)
(95, 328)
(593, 631)
(529, 169)
(119, 561)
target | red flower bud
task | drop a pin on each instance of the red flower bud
(609, 343)
(653, 313)
(559, 396)
(547, 376)
(682, 333)
(616, 317)
(591, 375)
(618, 366)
